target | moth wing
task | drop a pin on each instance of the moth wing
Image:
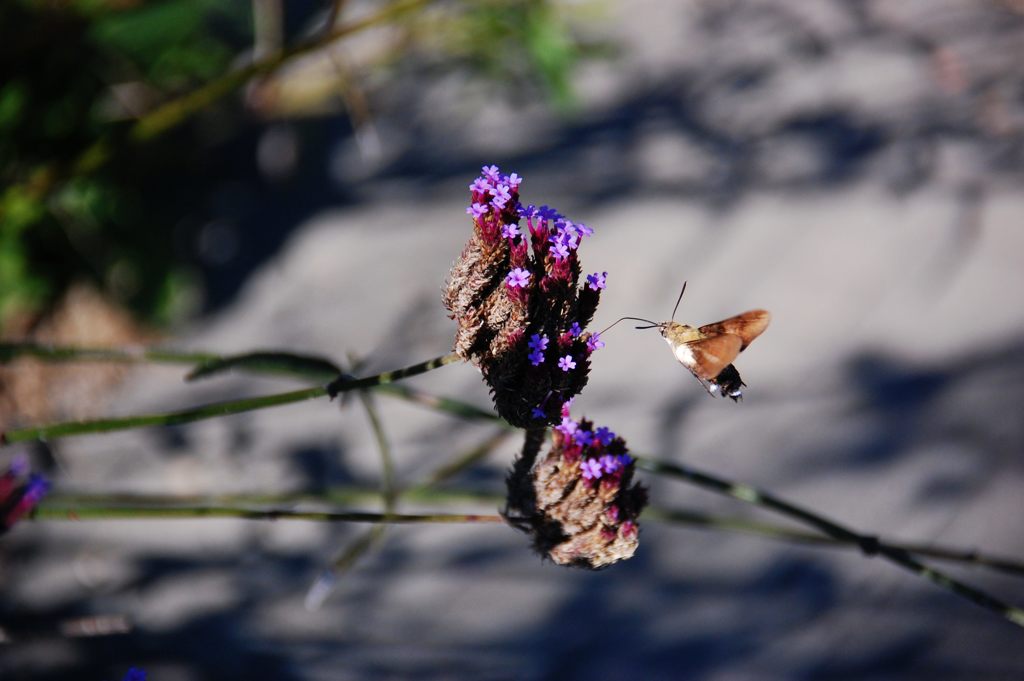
(746, 326)
(711, 355)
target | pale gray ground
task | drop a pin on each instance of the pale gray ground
(805, 157)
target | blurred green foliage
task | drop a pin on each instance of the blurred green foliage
(57, 64)
(75, 75)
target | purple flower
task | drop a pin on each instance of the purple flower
(610, 463)
(625, 459)
(480, 185)
(605, 436)
(135, 674)
(582, 229)
(575, 330)
(548, 213)
(538, 413)
(536, 357)
(595, 342)
(510, 231)
(491, 173)
(566, 363)
(561, 251)
(501, 191)
(591, 469)
(597, 280)
(584, 437)
(478, 210)
(514, 181)
(567, 427)
(517, 277)
(538, 342)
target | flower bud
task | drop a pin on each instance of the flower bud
(577, 501)
(515, 295)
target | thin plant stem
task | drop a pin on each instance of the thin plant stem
(343, 384)
(459, 463)
(67, 353)
(870, 546)
(901, 555)
(51, 511)
(683, 517)
(700, 520)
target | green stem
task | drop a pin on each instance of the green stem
(870, 546)
(217, 409)
(360, 495)
(51, 511)
(67, 353)
(699, 520)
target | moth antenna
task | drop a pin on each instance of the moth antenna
(678, 300)
(638, 319)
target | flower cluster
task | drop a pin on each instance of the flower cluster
(516, 295)
(577, 501)
(20, 492)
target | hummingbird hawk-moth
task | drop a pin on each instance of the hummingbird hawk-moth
(708, 351)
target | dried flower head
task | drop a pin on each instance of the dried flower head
(577, 501)
(20, 492)
(521, 312)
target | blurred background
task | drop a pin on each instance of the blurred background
(226, 177)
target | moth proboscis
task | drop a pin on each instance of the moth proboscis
(708, 351)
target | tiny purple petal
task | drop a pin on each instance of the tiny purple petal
(591, 469)
(478, 210)
(499, 202)
(597, 280)
(536, 358)
(502, 191)
(582, 229)
(566, 363)
(595, 342)
(575, 330)
(491, 173)
(135, 674)
(538, 342)
(625, 459)
(538, 413)
(605, 436)
(517, 277)
(514, 181)
(561, 251)
(584, 437)
(510, 231)
(610, 463)
(481, 185)
(567, 427)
